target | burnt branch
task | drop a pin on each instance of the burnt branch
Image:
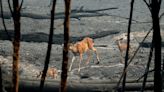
(16, 46)
(148, 4)
(21, 5)
(11, 11)
(3, 21)
(131, 59)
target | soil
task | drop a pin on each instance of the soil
(103, 20)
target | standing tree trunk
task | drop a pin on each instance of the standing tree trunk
(128, 41)
(49, 46)
(16, 45)
(157, 43)
(1, 86)
(65, 50)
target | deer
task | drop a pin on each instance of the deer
(80, 47)
(122, 46)
(51, 72)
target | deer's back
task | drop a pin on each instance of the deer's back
(82, 47)
(89, 42)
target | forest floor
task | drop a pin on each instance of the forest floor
(103, 20)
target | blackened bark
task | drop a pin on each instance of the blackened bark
(128, 41)
(1, 86)
(65, 49)
(49, 46)
(117, 86)
(157, 43)
(16, 45)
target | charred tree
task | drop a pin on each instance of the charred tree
(1, 86)
(3, 21)
(49, 46)
(16, 44)
(65, 49)
(128, 41)
(155, 6)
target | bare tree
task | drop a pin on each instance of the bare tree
(16, 44)
(1, 86)
(155, 5)
(128, 41)
(3, 21)
(49, 46)
(65, 49)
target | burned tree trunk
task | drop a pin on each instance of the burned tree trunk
(49, 47)
(157, 44)
(65, 49)
(128, 41)
(1, 86)
(16, 45)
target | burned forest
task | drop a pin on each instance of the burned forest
(81, 46)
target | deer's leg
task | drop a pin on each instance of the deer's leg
(73, 59)
(89, 57)
(97, 56)
(122, 58)
(80, 61)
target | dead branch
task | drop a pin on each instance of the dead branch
(148, 4)
(11, 11)
(3, 21)
(144, 75)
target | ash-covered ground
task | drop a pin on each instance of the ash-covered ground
(103, 20)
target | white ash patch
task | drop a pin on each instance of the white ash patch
(26, 69)
(29, 70)
(6, 65)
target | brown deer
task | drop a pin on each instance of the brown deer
(51, 72)
(80, 47)
(122, 46)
